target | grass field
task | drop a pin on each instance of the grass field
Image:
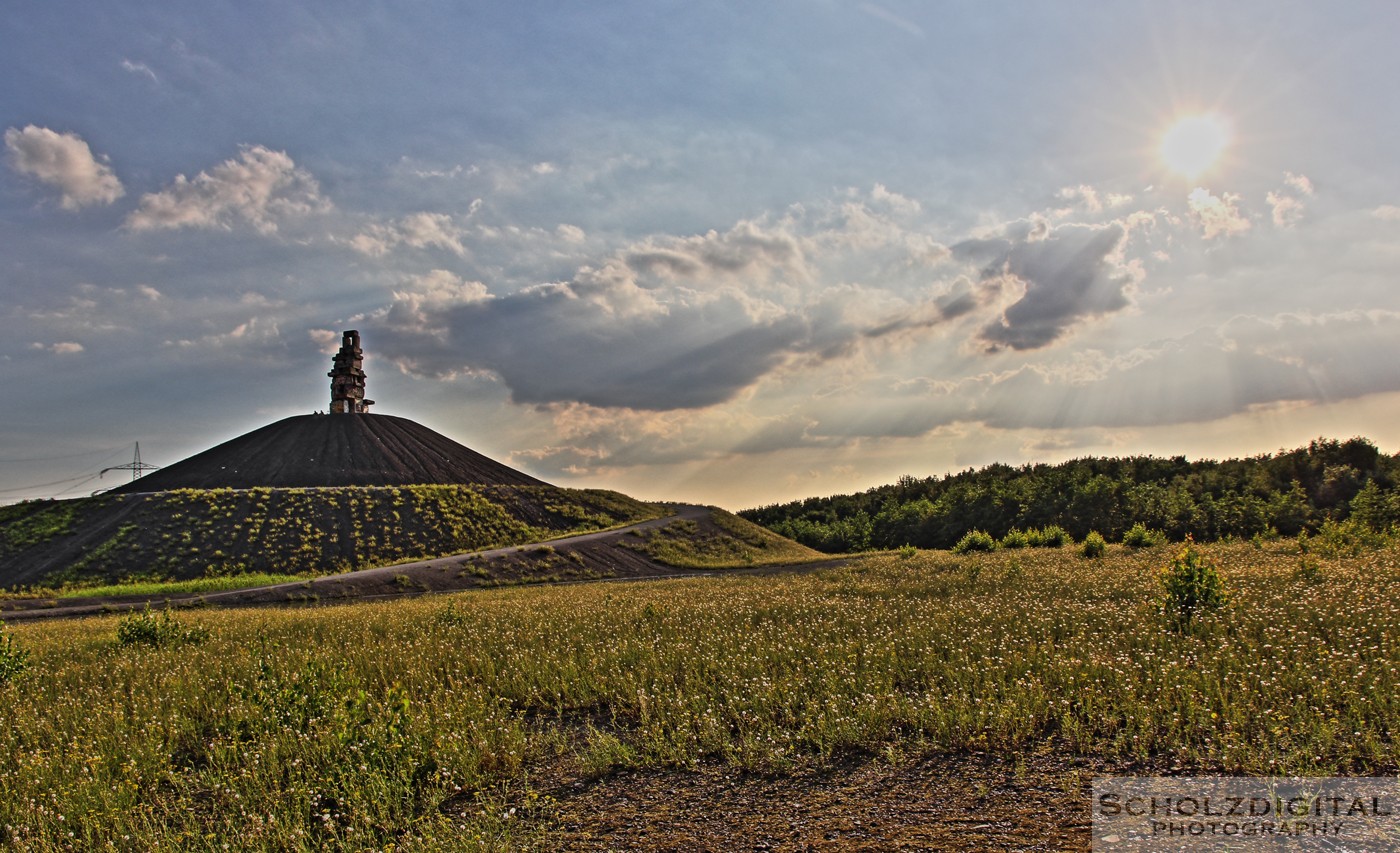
(439, 723)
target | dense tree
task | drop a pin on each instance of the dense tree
(1287, 492)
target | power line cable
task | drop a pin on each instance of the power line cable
(78, 480)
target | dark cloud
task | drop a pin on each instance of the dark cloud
(601, 342)
(670, 323)
(1070, 274)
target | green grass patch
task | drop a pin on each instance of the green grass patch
(31, 523)
(730, 543)
(157, 589)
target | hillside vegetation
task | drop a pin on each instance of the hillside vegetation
(1287, 493)
(475, 721)
(189, 533)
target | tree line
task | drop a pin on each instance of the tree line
(1286, 493)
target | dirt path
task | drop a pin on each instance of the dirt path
(1037, 800)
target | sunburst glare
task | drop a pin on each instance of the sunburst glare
(1194, 143)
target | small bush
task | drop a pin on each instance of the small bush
(1346, 539)
(1093, 546)
(975, 540)
(452, 616)
(1191, 585)
(146, 628)
(1309, 569)
(907, 552)
(1015, 539)
(1140, 536)
(1051, 536)
(13, 659)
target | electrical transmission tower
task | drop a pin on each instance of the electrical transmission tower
(137, 467)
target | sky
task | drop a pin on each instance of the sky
(733, 253)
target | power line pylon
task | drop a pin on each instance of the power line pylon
(137, 467)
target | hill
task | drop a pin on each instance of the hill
(685, 540)
(189, 533)
(308, 451)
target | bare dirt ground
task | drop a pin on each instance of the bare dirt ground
(937, 802)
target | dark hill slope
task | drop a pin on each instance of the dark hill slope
(190, 533)
(333, 450)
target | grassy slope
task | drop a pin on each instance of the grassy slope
(728, 541)
(190, 533)
(360, 726)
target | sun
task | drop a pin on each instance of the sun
(1195, 143)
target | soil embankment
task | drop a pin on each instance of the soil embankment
(689, 540)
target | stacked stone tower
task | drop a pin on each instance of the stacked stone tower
(348, 377)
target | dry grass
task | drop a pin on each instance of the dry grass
(422, 723)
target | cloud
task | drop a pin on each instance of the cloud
(1287, 210)
(419, 230)
(746, 247)
(59, 348)
(1066, 275)
(1209, 374)
(140, 69)
(1298, 182)
(64, 161)
(667, 323)
(883, 14)
(1286, 204)
(1247, 364)
(596, 341)
(259, 187)
(1387, 212)
(683, 323)
(1217, 216)
(1083, 195)
(118, 321)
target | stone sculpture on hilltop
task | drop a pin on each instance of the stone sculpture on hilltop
(348, 377)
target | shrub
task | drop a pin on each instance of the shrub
(907, 552)
(1015, 539)
(1093, 546)
(1346, 539)
(146, 628)
(975, 540)
(1190, 585)
(13, 660)
(1051, 536)
(1309, 569)
(1140, 536)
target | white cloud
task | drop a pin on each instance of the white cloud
(140, 69)
(419, 230)
(65, 161)
(1287, 210)
(1083, 195)
(1298, 182)
(1388, 212)
(259, 187)
(1286, 203)
(60, 348)
(1217, 215)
